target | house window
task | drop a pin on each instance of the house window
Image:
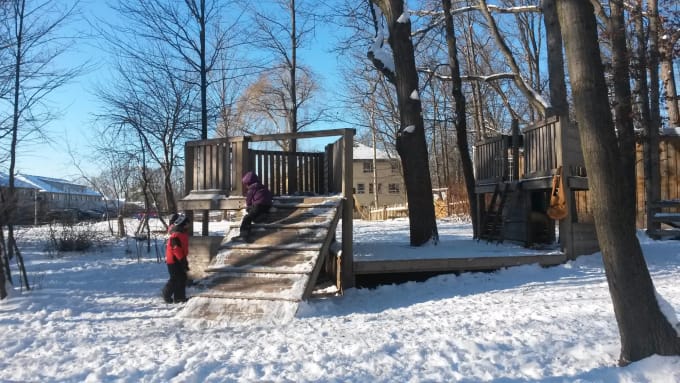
(371, 189)
(395, 166)
(361, 189)
(394, 188)
(368, 166)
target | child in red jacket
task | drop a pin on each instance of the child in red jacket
(176, 252)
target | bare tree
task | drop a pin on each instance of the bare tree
(400, 69)
(643, 328)
(156, 107)
(266, 103)
(460, 120)
(32, 35)
(283, 28)
(182, 27)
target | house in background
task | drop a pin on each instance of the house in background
(40, 197)
(381, 179)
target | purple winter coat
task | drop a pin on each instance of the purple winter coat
(257, 193)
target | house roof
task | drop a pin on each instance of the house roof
(47, 184)
(363, 152)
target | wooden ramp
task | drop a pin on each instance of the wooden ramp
(266, 278)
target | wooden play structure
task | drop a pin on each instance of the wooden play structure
(292, 247)
(513, 183)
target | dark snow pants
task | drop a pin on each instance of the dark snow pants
(175, 288)
(254, 212)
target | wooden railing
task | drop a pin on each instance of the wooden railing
(272, 167)
(491, 159)
(217, 165)
(208, 165)
(541, 142)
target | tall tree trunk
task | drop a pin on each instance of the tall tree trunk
(3, 289)
(643, 328)
(556, 76)
(650, 140)
(460, 119)
(478, 117)
(623, 111)
(292, 112)
(668, 81)
(411, 144)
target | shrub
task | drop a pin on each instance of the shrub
(73, 237)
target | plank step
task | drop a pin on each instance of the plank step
(264, 260)
(292, 238)
(238, 311)
(287, 287)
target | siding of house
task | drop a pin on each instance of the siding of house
(37, 195)
(391, 189)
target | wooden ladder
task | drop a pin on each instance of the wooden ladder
(492, 221)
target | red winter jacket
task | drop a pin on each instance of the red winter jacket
(177, 247)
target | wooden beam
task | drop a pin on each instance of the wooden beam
(454, 264)
(348, 279)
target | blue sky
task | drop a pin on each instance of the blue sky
(77, 105)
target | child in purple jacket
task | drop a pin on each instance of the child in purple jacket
(258, 202)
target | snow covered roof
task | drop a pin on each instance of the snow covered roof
(363, 152)
(47, 184)
(18, 183)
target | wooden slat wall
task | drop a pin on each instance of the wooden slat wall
(491, 159)
(540, 155)
(669, 167)
(208, 166)
(272, 167)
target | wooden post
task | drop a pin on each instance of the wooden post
(188, 169)
(515, 149)
(348, 279)
(565, 158)
(241, 164)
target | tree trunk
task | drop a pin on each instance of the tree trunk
(460, 117)
(643, 328)
(650, 142)
(668, 81)
(556, 76)
(623, 111)
(411, 144)
(4, 265)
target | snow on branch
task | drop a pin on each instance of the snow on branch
(379, 52)
(497, 9)
(404, 17)
(469, 78)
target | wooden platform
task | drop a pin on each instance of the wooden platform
(669, 217)
(453, 265)
(268, 276)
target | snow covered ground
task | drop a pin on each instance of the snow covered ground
(98, 317)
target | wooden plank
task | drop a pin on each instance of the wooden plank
(347, 260)
(324, 252)
(453, 264)
(255, 286)
(279, 261)
(227, 310)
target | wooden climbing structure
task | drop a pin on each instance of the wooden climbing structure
(513, 181)
(268, 277)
